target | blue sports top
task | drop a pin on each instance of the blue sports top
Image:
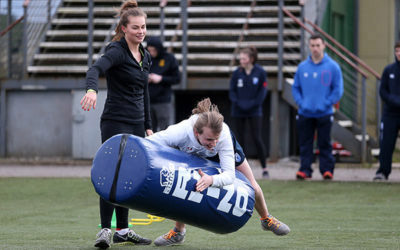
(317, 87)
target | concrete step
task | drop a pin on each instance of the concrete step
(82, 21)
(359, 137)
(176, 1)
(223, 44)
(375, 152)
(191, 56)
(177, 10)
(58, 69)
(228, 69)
(191, 32)
(191, 69)
(194, 44)
(346, 123)
(69, 45)
(228, 56)
(97, 1)
(175, 21)
(64, 57)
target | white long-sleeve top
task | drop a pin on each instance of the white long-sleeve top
(181, 136)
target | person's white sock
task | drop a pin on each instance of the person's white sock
(123, 231)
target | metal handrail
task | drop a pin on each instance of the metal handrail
(354, 57)
(11, 26)
(334, 50)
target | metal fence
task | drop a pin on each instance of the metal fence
(19, 44)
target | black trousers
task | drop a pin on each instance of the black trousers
(108, 129)
(390, 126)
(256, 132)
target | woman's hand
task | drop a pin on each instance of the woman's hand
(204, 182)
(149, 132)
(154, 78)
(89, 101)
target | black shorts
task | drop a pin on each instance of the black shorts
(237, 149)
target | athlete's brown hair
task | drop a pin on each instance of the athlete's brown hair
(252, 53)
(209, 116)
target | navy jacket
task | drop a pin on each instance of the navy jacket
(390, 89)
(247, 92)
(167, 66)
(127, 84)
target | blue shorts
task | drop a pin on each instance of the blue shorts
(237, 149)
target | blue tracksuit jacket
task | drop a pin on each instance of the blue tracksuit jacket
(317, 87)
(247, 92)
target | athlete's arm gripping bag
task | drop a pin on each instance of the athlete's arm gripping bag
(137, 173)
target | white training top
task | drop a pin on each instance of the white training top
(181, 136)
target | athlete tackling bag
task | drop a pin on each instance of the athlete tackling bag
(140, 174)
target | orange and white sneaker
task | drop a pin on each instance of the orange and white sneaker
(171, 238)
(273, 224)
(300, 175)
(327, 175)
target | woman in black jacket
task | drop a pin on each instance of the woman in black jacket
(126, 65)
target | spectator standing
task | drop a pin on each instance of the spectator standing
(164, 73)
(248, 89)
(318, 85)
(126, 65)
(389, 91)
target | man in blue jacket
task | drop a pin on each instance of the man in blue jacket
(390, 124)
(318, 85)
(164, 73)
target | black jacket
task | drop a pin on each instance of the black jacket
(127, 84)
(390, 89)
(167, 66)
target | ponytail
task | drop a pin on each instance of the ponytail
(209, 116)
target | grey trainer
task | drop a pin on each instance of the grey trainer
(103, 240)
(274, 225)
(170, 238)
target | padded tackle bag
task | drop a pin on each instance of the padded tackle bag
(140, 174)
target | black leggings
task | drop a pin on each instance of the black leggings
(108, 129)
(255, 129)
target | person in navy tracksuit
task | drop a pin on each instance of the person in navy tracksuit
(164, 73)
(318, 85)
(248, 89)
(390, 93)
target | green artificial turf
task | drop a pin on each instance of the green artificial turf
(63, 214)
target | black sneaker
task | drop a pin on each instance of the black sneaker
(130, 238)
(265, 174)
